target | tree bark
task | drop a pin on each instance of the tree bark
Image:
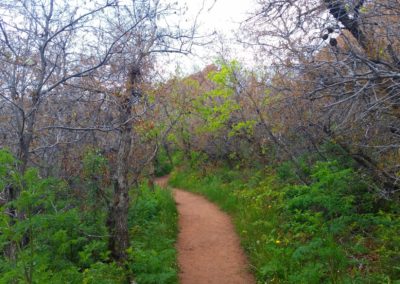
(118, 216)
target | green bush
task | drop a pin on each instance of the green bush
(153, 229)
(163, 164)
(61, 234)
(333, 230)
(54, 239)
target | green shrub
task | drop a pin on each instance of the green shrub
(163, 164)
(153, 229)
(61, 234)
(53, 238)
(333, 230)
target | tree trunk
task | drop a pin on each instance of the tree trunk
(118, 223)
(118, 216)
(26, 134)
(168, 153)
(23, 154)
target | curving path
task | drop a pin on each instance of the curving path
(209, 250)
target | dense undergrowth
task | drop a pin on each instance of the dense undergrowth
(335, 229)
(153, 223)
(61, 234)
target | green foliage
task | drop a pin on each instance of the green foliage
(243, 126)
(61, 234)
(163, 164)
(104, 273)
(153, 223)
(94, 165)
(97, 192)
(54, 240)
(330, 231)
(7, 168)
(197, 158)
(217, 105)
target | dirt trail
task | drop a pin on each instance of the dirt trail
(209, 250)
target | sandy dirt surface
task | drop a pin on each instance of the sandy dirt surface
(209, 250)
(162, 181)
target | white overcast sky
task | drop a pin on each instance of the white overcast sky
(222, 16)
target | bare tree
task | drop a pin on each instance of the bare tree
(79, 75)
(344, 57)
(43, 47)
(156, 32)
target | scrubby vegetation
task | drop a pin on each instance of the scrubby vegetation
(153, 227)
(334, 229)
(301, 144)
(313, 193)
(61, 234)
